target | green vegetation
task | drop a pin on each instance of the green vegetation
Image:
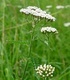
(23, 48)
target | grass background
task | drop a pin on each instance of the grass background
(17, 41)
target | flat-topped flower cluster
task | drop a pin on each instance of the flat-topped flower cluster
(38, 12)
(67, 24)
(45, 70)
(48, 29)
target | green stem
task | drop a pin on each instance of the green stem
(29, 49)
(3, 22)
(48, 46)
(3, 35)
(47, 78)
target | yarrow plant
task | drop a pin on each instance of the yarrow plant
(37, 12)
(49, 30)
(45, 70)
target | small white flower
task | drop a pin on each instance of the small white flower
(45, 70)
(40, 67)
(49, 29)
(43, 75)
(44, 66)
(60, 7)
(51, 75)
(67, 24)
(47, 75)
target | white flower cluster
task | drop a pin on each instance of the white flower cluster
(35, 11)
(49, 6)
(60, 7)
(49, 29)
(67, 24)
(45, 70)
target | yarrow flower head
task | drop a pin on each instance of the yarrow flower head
(60, 7)
(49, 30)
(49, 6)
(45, 70)
(67, 24)
(37, 12)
